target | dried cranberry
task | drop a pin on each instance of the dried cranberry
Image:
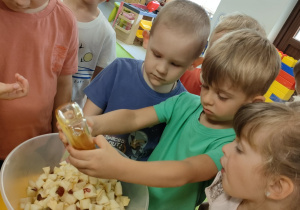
(70, 191)
(39, 197)
(60, 191)
(86, 190)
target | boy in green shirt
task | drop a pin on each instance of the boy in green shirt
(238, 69)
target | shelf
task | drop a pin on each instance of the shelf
(126, 19)
(122, 29)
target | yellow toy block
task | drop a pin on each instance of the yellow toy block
(281, 91)
(290, 61)
(268, 100)
(268, 94)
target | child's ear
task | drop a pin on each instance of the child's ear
(258, 99)
(146, 36)
(280, 188)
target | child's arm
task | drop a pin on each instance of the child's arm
(91, 109)
(63, 95)
(15, 90)
(107, 163)
(123, 121)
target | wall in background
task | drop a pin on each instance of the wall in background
(272, 14)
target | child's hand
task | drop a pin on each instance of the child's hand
(15, 90)
(61, 135)
(102, 162)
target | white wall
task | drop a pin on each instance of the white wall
(271, 14)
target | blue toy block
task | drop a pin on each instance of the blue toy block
(275, 98)
(287, 69)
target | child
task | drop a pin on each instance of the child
(237, 69)
(296, 71)
(15, 90)
(233, 21)
(134, 84)
(261, 167)
(38, 40)
(97, 44)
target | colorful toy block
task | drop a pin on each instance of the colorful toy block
(287, 69)
(289, 61)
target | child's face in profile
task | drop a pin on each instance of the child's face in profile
(24, 5)
(169, 54)
(242, 173)
(220, 103)
(297, 84)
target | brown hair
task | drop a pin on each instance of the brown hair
(243, 57)
(185, 17)
(281, 146)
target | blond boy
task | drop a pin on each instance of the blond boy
(228, 23)
(238, 69)
(178, 37)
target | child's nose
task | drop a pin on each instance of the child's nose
(162, 67)
(225, 148)
(207, 98)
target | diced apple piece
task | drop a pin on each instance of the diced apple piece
(68, 198)
(118, 189)
(27, 206)
(46, 170)
(98, 207)
(52, 176)
(102, 199)
(35, 207)
(125, 200)
(52, 204)
(65, 184)
(84, 177)
(79, 194)
(49, 183)
(93, 180)
(111, 195)
(31, 192)
(114, 204)
(79, 186)
(63, 163)
(60, 206)
(85, 203)
(71, 207)
(107, 186)
(39, 183)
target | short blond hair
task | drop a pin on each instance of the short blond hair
(187, 17)
(280, 146)
(244, 58)
(237, 20)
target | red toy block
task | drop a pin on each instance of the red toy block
(287, 76)
(285, 82)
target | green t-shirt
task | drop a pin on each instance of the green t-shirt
(184, 137)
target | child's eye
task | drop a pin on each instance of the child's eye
(238, 149)
(222, 98)
(176, 65)
(156, 55)
(204, 86)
